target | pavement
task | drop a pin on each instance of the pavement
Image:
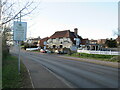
(0, 61)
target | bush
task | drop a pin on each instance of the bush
(115, 58)
(5, 49)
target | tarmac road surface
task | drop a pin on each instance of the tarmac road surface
(69, 73)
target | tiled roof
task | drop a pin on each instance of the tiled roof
(93, 40)
(65, 33)
(60, 34)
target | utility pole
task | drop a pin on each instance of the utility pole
(0, 44)
(19, 42)
(0, 8)
(0, 13)
(119, 37)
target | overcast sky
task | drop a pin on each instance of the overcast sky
(94, 19)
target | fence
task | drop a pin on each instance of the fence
(30, 49)
(99, 52)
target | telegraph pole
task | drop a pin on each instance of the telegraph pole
(0, 10)
(0, 13)
(19, 42)
(0, 44)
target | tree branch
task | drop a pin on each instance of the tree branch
(15, 16)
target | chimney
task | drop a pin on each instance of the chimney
(75, 31)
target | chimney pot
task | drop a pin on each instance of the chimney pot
(75, 31)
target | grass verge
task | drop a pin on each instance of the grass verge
(111, 58)
(35, 51)
(10, 76)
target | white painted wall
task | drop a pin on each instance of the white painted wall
(66, 42)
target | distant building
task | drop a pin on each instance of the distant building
(85, 41)
(84, 44)
(64, 40)
(118, 40)
(41, 43)
(33, 41)
(101, 42)
(93, 45)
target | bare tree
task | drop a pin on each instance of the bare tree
(14, 9)
(10, 9)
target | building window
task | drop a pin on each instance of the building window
(57, 39)
(65, 39)
(35, 43)
(61, 39)
(61, 46)
(54, 46)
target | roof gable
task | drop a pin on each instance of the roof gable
(60, 34)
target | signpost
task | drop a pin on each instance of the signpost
(45, 43)
(19, 34)
(73, 48)
(19, 31)
(77, 41)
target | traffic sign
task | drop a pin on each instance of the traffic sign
(73, 48)
(19, 30)
(77, 41)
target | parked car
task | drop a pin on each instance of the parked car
(60, 52)
(56, 51)
(42, 51)
(48, 51)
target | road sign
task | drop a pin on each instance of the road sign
(77, 41)
(44, 47)
(19, 30)
(73, 48)
(45, 43)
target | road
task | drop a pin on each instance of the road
(74, 73)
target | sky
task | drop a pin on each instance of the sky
(94, 19)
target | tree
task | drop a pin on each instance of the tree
(5, 48)
(10, 9)
(13, 10)
(111, 43)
